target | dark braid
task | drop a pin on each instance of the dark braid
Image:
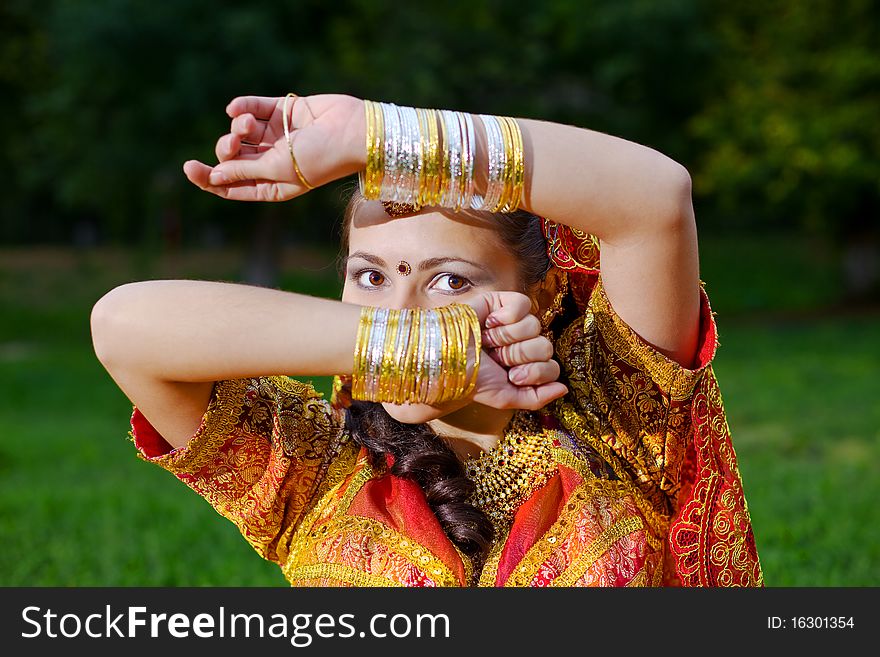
(420, 455)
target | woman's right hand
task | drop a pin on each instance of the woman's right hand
(328, 133)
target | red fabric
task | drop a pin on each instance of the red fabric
(146, 438)
(400, 504)
(534, 518)
(710, 538)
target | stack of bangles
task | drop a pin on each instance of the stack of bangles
(415, 355)
(425, 157)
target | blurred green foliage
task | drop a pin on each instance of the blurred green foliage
(78, 508)
(772, 107)
(789, 135)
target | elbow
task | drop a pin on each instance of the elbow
(681, 211)
(672, 203)
(108, 320)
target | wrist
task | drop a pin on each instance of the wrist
(355, 137)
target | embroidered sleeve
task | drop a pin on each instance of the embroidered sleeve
(630, 400)
(258, 457)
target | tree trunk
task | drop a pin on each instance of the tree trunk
(262, 266)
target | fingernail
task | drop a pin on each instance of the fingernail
(217, 178)
(492, 321)
(518, 376)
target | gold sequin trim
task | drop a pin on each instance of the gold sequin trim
(221, 416)
(490, 569)
(675, 379)
(566, 458)
(538, 554)
(339, 573)
(422, 559)
(596, 549)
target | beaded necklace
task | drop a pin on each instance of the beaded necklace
(508, 474)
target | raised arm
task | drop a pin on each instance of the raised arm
(638, 203)
(634, 199)
(166, 342)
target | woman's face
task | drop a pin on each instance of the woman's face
(450, 259)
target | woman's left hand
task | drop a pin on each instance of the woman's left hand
(520, 371)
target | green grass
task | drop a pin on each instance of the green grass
(77, 508)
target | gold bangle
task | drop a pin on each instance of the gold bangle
(472, 321)
(296, 168)
(415, 355)
(517, 157)
(359, 371)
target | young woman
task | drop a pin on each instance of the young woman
(507, 412)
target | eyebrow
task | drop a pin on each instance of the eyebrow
(424, 265)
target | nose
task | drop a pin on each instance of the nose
(406, 296)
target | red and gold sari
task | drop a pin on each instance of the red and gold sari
(629, 480)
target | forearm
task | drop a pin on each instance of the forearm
(190, 331)
(637, 201)
(610, 187)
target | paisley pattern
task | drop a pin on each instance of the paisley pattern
(641, 487)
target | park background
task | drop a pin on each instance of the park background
(772, 106)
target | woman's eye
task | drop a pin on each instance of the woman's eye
(371, 278)
(453, 283)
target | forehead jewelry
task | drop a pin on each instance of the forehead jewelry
(394, 209)
(403, 268)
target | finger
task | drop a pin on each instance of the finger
(526, 328)
(529, 398)
(199, 173)
(248, 128)
(259, 191)
(509, 307)
(529, 351)
(534, 374)
(244, 168)
(227, 147)
(533, 398)
(227, 150)
(262, 107)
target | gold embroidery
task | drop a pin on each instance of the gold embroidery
(538, 554)
(334, 571)
(228, 398)
(672, 377)
(417, 555)
(641, 578)
(619, 403)
(490, 570)
(658, 523)
(327, 494)
(711, 540)
(342, 524)
(569, 460)
(596, 549)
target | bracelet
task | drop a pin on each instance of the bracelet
(299, 173)
(415, 355)
(424, 157)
